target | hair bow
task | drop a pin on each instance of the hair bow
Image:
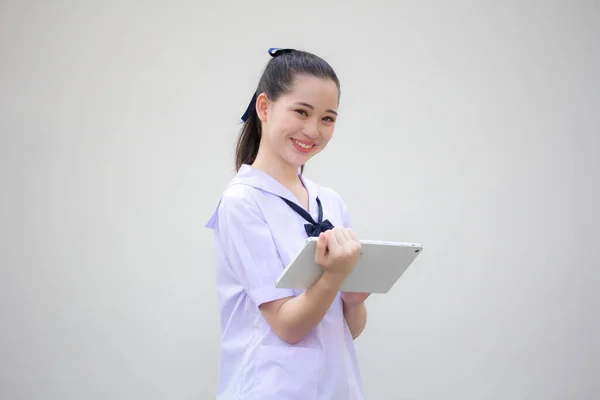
(273, 52)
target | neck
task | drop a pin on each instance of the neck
(280, 170)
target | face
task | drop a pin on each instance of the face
(300, 123)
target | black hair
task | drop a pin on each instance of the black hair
(277, 79)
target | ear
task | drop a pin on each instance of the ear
(262, 106)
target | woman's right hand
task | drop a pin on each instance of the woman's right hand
(338, 251)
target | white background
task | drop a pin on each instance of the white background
(471, 127)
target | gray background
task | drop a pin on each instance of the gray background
(472, 127)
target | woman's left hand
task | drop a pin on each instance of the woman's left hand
(354, 298)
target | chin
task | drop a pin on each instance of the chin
(297, 162)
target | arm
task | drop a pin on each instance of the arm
(355, 311)
(293, 318)
(356, 318)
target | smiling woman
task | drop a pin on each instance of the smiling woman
(297, 82)
(280, 343)
(303, 117)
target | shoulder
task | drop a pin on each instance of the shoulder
(332, 200)
(327, 194)
(237, 193)
(238, 201)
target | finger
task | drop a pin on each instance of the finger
(353, 235)
(355, 238)
(347, 235)
(339, 235)
(332, 239)
(321, 250)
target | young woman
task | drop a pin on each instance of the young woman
(277, 343)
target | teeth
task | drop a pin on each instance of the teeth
(304, 146)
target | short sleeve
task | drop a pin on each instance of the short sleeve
(344, 212)
(346, 217)
(246, 240)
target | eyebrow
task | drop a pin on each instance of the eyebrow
(312, 108)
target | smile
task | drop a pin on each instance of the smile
(303, 145)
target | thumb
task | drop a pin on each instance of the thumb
(321, 249)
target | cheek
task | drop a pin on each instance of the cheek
(280, 128)
(327, 134)
(289, 127)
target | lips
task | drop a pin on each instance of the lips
(303, 146)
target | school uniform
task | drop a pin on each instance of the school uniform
(256, 234)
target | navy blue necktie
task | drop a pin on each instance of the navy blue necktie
(313, 228)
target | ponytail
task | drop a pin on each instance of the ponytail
(248, 141)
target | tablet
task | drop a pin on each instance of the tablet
(379, 267)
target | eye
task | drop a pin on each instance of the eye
(329, 119)
(302, 112)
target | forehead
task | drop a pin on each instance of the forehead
(318, 92)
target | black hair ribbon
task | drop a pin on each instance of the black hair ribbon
(273, 52)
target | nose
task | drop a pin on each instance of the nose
(311, 130)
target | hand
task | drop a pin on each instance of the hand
(352, 299)
(337, 252)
